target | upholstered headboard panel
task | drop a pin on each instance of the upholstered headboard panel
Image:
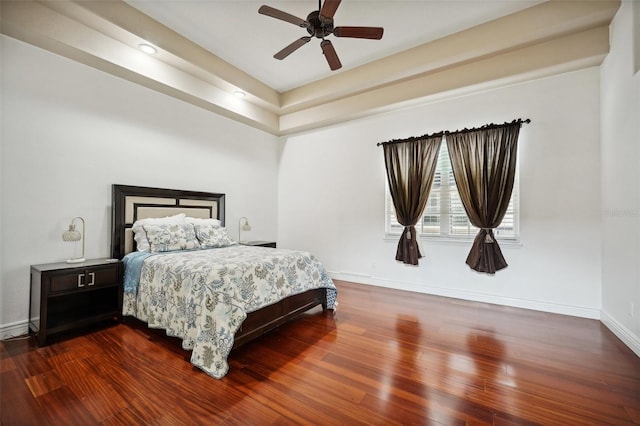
(131, 203)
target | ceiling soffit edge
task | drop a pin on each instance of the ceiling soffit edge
(44, 27)
(126, 19)
(538, 23)
(564, 54)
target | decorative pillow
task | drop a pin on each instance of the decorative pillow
(171, 237)
(139, 234)
(213, 236)
(197, 221)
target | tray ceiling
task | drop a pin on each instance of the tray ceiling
(207, 50)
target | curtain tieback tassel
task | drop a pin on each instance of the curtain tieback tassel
(408, 233)
(487, 237)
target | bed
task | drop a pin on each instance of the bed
(194, 282)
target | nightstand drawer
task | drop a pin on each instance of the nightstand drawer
(94, 277)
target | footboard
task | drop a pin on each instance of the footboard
(270, 317)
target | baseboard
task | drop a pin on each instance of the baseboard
(621, 332)
(555, 308)
(19, 328)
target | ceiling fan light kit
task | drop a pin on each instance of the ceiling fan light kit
(319, 24)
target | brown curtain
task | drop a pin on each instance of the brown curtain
(411, 165)
(484, 164)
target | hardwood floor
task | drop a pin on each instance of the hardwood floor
(386, 357)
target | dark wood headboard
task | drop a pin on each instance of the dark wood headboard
(131, 203)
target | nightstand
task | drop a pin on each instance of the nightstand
(69, 296)
(271, 244)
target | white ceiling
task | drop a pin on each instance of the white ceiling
(208, 49)
(234, 31)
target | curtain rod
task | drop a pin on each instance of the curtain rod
(446, 132)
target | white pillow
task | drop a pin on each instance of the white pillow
(171, 237)
(213, 236)
(197, 221)
(140, 235)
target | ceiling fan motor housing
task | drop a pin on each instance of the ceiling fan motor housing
(320, 26)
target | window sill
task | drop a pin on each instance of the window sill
(504, 242)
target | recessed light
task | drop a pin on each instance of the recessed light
(147, 48)
(240, 93)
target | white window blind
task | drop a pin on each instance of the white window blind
(444, 215)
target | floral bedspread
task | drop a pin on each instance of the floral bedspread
(203, 296)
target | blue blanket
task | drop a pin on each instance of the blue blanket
(132, 270)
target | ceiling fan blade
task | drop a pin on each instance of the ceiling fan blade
(373, 33)
(329, 8)
(284, 16)
(292, 48)
(331, 55)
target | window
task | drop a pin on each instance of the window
(444, 215)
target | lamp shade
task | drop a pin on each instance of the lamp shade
(72, 234)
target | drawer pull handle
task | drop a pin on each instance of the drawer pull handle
(92, 275)
(80, 283)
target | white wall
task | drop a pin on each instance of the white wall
(331, 198)
(621, 179)
(69, 132)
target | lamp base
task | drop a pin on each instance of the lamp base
(77, 260)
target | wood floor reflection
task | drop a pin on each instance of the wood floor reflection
(386, 357)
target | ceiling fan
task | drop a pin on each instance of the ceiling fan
(319, 24)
